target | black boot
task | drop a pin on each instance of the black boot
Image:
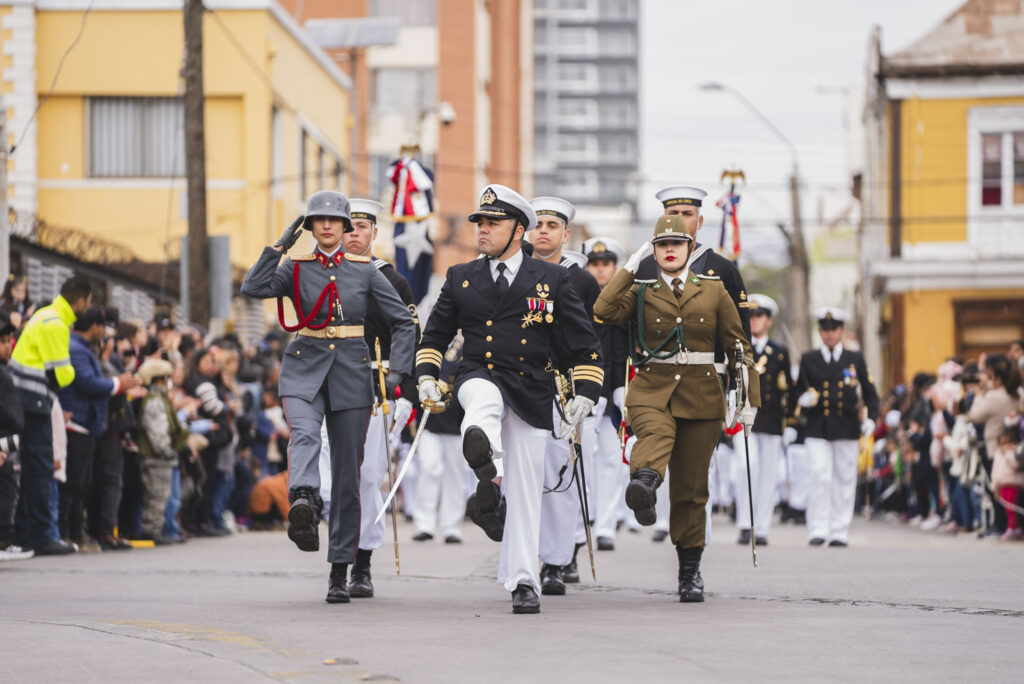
(486, 507)
(337, 592)
(525, 600)
(641, 493)
(744, 538)
(551, 582)
(691, 584)
(360, 585)
(476, 449)
(571, 572)
(303, 518)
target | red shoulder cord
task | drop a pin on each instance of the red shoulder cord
(304, 321)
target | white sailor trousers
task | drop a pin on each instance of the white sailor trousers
(559, 505)
(796, 462)
(833, 484)
(765, 455)
(521, 449)
(610, 475)
(442, 491)
(371, 476)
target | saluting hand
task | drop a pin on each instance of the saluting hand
(633, 262)
(290, 235)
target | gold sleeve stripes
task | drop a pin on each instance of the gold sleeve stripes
(428, 355)
(591, 373)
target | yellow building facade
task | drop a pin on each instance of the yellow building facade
(105, 153)
(942, 241)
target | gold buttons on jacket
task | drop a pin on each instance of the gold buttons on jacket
(489, 338)
(522, 341)
(488, 354)
(826, 412)
(332, 277)
(825, 384)
(330, 346)
(490, 366)
(489, 323)
(522, 358)
(521, 373)
(298, 352)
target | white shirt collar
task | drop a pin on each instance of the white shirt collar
(512, 265)
(330, 255)
(681, 275)
(836, 352)
(760, 343)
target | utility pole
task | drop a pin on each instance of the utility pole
(5, 222)
(195, 167)
(798, 275)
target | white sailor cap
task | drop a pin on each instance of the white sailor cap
(365, 209)
(760, 302)
(604, 248)
(554, 206)
(830, 316)
(501, 202)
(681, 194)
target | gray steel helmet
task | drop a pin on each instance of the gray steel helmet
(327, 203)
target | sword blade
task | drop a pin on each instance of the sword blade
(404, 469)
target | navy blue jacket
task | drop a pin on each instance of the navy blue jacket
(88, 396)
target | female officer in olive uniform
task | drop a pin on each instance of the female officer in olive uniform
(676, 403)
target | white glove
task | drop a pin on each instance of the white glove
(599, 408)
(619, 398)
(789, 436)
(867, 427)
(747, 415)
(634, 260)
(429, 391)
(402, 410)
(575, 411)
(808, 399)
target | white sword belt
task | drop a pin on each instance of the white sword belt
(687, 358)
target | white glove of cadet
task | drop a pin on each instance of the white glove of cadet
(747, 415)
(808, 399)
(575, 411)
(602, 404)
(402, 409)
(634, 260)
(867, 427)
(429, 389)
(619, 398)
(789, 436)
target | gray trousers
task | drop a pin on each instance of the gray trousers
(346, 431)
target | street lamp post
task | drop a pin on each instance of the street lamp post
(798, 275)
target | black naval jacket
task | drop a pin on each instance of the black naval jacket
(587, 289)
(835, 416)
(510, 342)
(777, 400)
(377, 326)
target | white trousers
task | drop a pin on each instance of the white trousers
(611, 476)
(765, 455)
(799, 475)
(833, 484)
(588, 435)
(521, 448)
(663, 505)
(720, 476)
(441, 491)
(559, 505)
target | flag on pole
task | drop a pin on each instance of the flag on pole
(412, 206)
(729, 204)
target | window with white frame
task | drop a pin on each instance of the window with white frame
(136, 137)
(995, 168)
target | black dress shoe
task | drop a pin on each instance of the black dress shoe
(761, 541)
(744, 538)
(641, 495)
(551, 582)
(360, 585)
(423, 536)
(817, 541)
(525, 600)
(476, 449)
(691, 584)
(452, 539)
(659, 536)
(838, 544)
(337, 586)
(486, 508)
(571, 572)
(303, 518)
(605, 544)
(56, 547)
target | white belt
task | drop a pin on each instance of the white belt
(721, 369)
(373, 364)
(687, 358)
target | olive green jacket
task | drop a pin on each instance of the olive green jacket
(706, 313)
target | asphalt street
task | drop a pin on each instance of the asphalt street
(898, 604)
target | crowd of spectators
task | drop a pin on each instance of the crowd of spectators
(162, 434)
(948, 455)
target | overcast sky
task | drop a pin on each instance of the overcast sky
(780, 55)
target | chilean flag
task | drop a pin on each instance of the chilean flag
(412, 206)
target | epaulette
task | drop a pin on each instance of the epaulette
(707, 277)
(354, 257)
(304, 257)
(380, 263)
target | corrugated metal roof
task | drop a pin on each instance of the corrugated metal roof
(981, 36)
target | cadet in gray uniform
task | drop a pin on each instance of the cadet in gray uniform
(324, 373)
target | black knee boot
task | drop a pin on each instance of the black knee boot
(691, 584)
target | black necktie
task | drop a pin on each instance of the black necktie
(677, 289)
(502, 281)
